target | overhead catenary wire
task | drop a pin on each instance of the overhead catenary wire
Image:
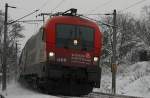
(101, 5)
(23, 17)
(23, 9)
(49, 14)
(62, 1)
(24, 21)
(133, 5)
(44, 4)
(110, 25)
(87, 14)
(40, 8)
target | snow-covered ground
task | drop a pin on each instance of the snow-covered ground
(15, 90)
(133, 80)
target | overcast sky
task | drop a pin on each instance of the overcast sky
(84, 6)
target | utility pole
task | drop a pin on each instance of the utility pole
(16, 67)
(43, 15)
(4, 65)
(113, 65)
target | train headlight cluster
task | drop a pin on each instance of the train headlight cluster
(51, 54)
(95, 59)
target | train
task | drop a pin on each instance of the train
(63, 56)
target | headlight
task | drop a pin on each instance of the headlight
(75, 42)
(51, 54)
(95, 59)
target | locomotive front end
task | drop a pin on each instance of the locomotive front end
(73, 49)
(64, 55)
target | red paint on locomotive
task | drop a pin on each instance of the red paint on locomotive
(68, 50)
(50, 34)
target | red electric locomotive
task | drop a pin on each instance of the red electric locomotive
(64, 55)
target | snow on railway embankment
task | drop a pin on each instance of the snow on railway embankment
(16, 90)
(133, 80)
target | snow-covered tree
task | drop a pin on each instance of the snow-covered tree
(132, 37)
(13, 34)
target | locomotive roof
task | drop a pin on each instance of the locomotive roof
(71, 20)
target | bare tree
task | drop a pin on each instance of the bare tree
(14, 33)
(131, 35)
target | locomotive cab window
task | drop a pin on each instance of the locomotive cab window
(74, 37)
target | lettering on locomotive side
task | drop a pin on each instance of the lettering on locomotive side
(81, 58)
(78, 55)
(87, 55)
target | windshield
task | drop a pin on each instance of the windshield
(74, 36)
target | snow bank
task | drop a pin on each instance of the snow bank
(30, 96)
(134, 80)
(139, 87)
(15, 90)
